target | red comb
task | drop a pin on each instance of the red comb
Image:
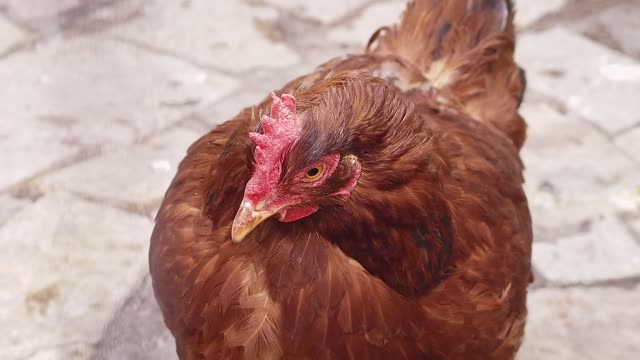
(281, 129)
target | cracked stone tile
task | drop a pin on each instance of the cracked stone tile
(32, 9)
(595, 82)
(137, 175)
(573, 172)
(73, 17)
(635, 227)
(606, 251)
(324, 11)
(227, 108)
(9, 206)
(619, 24)
(528, 12)
(582, 324)
(262, 82)
(65, 267)
(97, 91)
(137, 330)
(359, 30)
(629, 141)
(217, 33)
(28, 146)
(10, 35)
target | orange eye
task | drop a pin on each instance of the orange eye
(315, 172)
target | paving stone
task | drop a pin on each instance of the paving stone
(260, 84)
(28, 146)
(137, 176)
(635, 227)
(359, 30)
(10, 35)
(137, 330)
(65, 267)
(31, 9)
(528, 12)
(573, 172)
(99, 91)
(619, 25)
(606, 251)
(595, 82)
(582, 324)
(72, 17)
(630, 142)
(227, 108)
(9, 206)
(217, 33)
(324, 11)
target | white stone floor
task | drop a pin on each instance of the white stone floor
(100, 99)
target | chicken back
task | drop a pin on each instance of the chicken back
(372, 209)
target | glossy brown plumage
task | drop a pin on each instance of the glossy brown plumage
(430, 256)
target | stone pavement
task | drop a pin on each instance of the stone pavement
(100, 99)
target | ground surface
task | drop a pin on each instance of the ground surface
(101, 98)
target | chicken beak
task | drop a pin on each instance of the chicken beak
(247, 218)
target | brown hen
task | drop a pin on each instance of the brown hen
(373, 210)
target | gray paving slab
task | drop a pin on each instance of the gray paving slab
(137, 176)
(222, 34)
(528, 12)
(32, 9)
(65, 266)
(10, 205)
(629, 141)
(635, 226)
(616, 26)
(28, 146)
(358, 30)
(71, 17)
(146, 336)
(98, 91)
(323, 11)
(594, 81)
(10, 36)
(582, 324)
(606, 250)
(574, 174)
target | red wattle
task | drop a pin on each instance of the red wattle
(297, 213)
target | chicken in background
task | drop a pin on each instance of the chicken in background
(372, 209)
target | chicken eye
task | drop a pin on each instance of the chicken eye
(314, 172)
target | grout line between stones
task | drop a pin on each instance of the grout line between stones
(625, 282)
(26, 185)
(560, 106)
(627, 129)
(167, 53)
(144, 210)
(353, 14)
(572, 12)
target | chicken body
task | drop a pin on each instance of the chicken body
(418, 243)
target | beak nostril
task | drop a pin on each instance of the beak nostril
(259, 206)
(248, 217)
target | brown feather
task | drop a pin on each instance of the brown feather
(429, 258)
(463, 49)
